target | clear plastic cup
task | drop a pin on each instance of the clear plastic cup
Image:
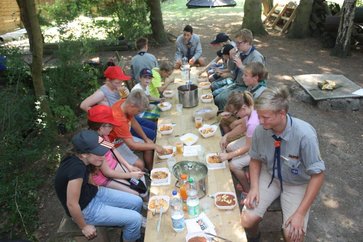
(179, 147)
(179, 107)
(198, 122)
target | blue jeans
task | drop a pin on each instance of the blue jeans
(149, 128)
(217, 84)
(115, 208)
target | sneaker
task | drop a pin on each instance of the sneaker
(144, 220)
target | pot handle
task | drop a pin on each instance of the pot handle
(177, 184)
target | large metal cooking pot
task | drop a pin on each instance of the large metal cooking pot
(197, 170)
(188, 95)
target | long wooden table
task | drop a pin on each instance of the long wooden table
(227, 222)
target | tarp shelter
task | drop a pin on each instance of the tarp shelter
(210, 3)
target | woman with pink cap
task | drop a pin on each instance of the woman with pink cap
(116, 171)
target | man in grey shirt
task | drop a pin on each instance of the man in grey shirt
(188, 46)
(285, 162)
(142, 59)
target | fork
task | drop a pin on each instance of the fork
(159, 221)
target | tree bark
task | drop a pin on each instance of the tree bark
(156, 21)
(300, 26)
(29, 17)
(342, 43)
(252, 17)
(267, 6)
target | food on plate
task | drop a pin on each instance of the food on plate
(214, 159)
(207, 96)
(159, 175)
(197, 239)
(204, 84)
(157, 203)
(189, 139)
(206, 131)
(166, 151)
(166, 127)
(225, 199)
(164, 104)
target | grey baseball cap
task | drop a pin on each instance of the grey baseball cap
(88, 141)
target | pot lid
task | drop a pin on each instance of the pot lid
(194, 169)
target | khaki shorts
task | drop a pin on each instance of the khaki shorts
(290, 198)
(241, 161)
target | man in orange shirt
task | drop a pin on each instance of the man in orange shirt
(125, 111)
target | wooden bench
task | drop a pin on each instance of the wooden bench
(69, 231)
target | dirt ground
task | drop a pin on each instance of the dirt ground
(336, 214)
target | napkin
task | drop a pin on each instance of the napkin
(200, 224)
(191, 150)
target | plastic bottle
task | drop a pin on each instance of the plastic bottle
(193, 199)
(177, 213)
(183, 187)
(184, 61)
(185, 69)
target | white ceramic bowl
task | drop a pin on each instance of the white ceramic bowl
(164, 106)
(165, 129)
(225, 200)
(208, 130)
(168, 93)
(167, 156)
(156, 201)
(206, 98)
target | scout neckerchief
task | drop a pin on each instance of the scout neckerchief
(277, 158)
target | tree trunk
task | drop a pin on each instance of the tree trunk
(156, 21)
(29, 17)
(342, 43)
(252, 17)
(267, 6)
(300, 26)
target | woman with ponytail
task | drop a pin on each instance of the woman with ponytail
(241, 106)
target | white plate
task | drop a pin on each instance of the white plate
(164, 106)
(206, 127)
(152, 201)
(159, 181)
(204, 85)
(168, 131)
(189, 139)
(163, 157)
(213, 166)
(205, 99)
(218, 196)
(168, 93)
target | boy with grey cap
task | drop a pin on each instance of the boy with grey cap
(89, 205)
